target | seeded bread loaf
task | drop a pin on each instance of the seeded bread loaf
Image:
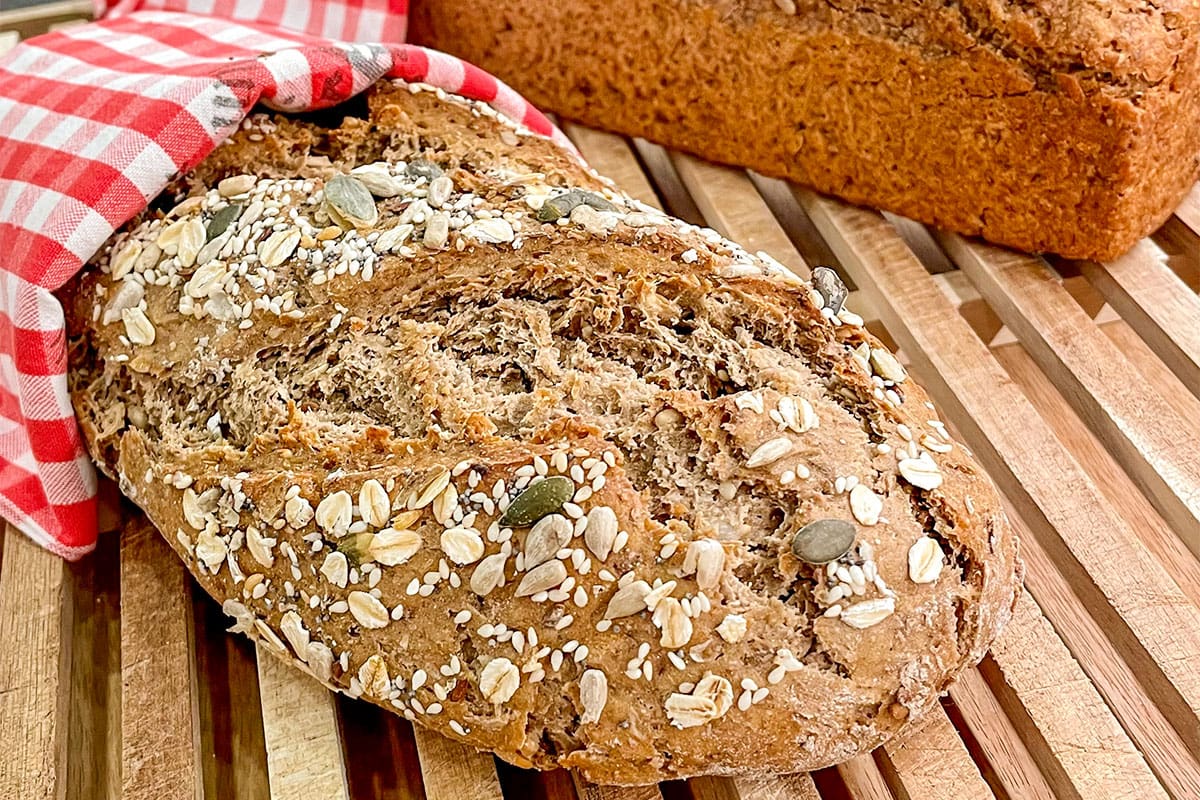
(1071, 126)
(443, 417)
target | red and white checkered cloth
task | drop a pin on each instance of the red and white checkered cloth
(94, 122)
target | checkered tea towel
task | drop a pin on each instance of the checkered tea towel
(95, 120)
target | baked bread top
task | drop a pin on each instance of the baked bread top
(441, 414)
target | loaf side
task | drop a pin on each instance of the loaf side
(1069, 127)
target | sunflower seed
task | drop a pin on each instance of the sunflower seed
(601, 531)
(886, 366)
(546, 496)
(706, 558)
(628, 600)
(123, 260)
(278, 247)
(138, 327)
(868, 612)
(394, 547)
(238, 184)
(490, 231)
(921, 472)
(392, 238)
(823, 541)
(675, 625)
(542, 578)
(440, 189)
(865, 505)
(769, 452)
(593, 695)
(369, 612)
(925, 560)
(548, 535)
(205, 279)
(437, 231)
(462, 545)
(499, 680)
(296, 634)
(829, 285)
(489, 574)
(222, 220)
(189, 242)
(378, 179)
(349, 199)
(128, 295)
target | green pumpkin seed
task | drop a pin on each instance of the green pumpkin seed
(348, 199)
(539, 500)
(421, 168)
(823, 541)
(565, 203)
(221, 220)
(356, 548)
(827, 283)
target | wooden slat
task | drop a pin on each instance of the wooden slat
(732, 206)
(35, 657)
(1156, 302)
(863, 779)
(8, 40)
(932, 763)
(1157, 445)
(300, 727)
(160, 717)
(94, 766)
(453, 771)
(1149, 620)
(613, 158)
(1000, 745)
(782, 787)
(1118, 488)
(1077, 742)
(592, 791)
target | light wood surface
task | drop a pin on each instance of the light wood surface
(1076, 384)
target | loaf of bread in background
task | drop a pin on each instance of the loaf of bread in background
(1068, 127)
(446, 419)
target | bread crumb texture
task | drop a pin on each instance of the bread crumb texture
(441, 416)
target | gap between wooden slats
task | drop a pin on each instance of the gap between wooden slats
(160, 715)
(1157, 303)
(1119, 490)
(1155, 626)
(35, 659)
(233, 751)
(300, 728)
(1159, 446)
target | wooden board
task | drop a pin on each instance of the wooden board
(1076, 384)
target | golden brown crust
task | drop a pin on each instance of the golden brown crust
(700, 404)
(1070, 127)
